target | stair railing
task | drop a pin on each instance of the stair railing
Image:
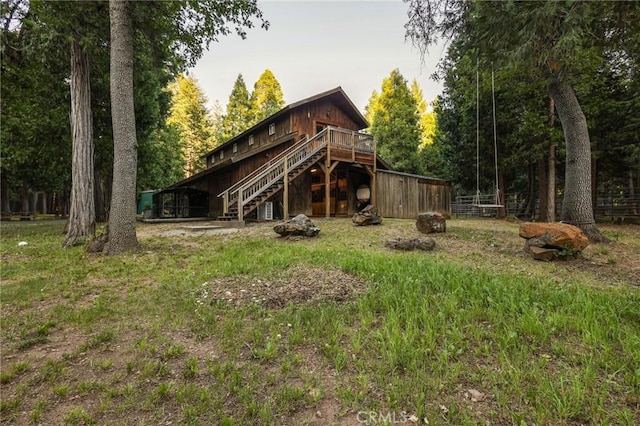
(228, 200)
(255, 183)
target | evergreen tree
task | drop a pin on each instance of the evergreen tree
(552, 39)
(216, 118)
(239, 113)
(266, 98)
(160, 161)
(189, 114)
(395, 123)
(122, 227)
(427, 118)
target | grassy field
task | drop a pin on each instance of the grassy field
(249, 328)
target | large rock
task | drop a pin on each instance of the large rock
(299, 225)
(559, 236)
(541, 253)
(367, 216)
(431, 222)
(425, 244)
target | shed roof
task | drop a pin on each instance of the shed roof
(337, 96)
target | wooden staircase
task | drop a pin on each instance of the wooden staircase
(259, 186)
(232, 214)
(266, 181)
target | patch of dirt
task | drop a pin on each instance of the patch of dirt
(298, 285)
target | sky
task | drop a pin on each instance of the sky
(314, 46)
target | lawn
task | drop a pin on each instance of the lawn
(247, 328)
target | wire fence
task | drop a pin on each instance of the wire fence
(609, 206)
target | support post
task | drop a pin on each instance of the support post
(327, 187)
(240, 206)
(353, 146)
(225, 201)
(285, 195)
(373, 189)
(373, 176)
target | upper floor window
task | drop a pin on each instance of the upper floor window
(250, 140)
(235, 148)
(221, 155)
(272, 129)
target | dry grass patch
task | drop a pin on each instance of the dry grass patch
(297, 285)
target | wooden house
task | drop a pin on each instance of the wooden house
(310, 157)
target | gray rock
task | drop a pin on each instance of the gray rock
(424, 244)
(367, 216)
(299, 225)
(541, 253)
(431, 222)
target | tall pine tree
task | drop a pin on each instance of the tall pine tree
(189, 114)
(393, 114)
(267, 97)
(239, 112)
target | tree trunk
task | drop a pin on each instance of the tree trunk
(82, 222)
(577, 206)
(122, 216)
(632, 194)
(4, 194)
(529, 212)
(101, 198)
(543, 190)
(551, 170)
(551, 185)
(24, 198)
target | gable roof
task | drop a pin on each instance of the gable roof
(337, 96)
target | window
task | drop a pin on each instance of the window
(213, 159)
(272, 129)
(235, 148)
(250, 140)
(221, 155)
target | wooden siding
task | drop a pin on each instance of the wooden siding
(290, 126)
(404, 196)
(300, 195)
(306, 118)
(261, 138)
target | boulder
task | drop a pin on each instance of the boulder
(425, 244)
(299, 225)
(541, 253)
(367, 216)
(431, 222)
(561, 236)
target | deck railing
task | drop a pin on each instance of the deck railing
(262, 178)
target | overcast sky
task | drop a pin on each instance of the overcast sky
(314, 46)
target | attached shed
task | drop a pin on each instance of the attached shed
(404, 196)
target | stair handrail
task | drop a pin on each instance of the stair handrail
(261, 168)
(259, 173)
(276, 171)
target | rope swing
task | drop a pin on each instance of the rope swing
(496, 192)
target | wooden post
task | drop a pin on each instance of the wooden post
(225, 208)
(285, 196)
(327, 179)
(240, 206)
(373, 176)
(353, 146)
(373, 188)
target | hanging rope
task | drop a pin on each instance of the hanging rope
(495, 136)
(496, 192)
(476, 199)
